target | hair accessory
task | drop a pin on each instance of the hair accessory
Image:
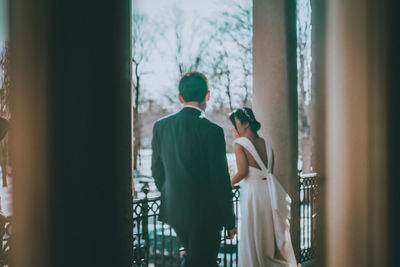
(247, 114)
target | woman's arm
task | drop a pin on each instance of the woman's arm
(242, 164)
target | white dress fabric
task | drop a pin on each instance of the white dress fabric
(265, 212)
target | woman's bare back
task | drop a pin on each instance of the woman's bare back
(261, 149)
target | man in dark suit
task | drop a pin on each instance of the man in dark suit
(191, 172)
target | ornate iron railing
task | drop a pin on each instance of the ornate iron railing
(308, 215)
(156, 243)
(5, 235)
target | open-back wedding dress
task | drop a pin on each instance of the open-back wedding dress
(265, 212)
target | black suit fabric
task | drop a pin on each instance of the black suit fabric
(191, 172)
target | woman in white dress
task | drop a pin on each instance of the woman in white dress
(264, 204)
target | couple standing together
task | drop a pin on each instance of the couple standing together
(190, 170)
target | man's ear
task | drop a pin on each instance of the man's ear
(208, 96)
(181, 99)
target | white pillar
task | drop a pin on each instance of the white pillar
(275, 91)
(355, 144)
(318, 106)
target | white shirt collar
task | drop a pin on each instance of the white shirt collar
(199, 109)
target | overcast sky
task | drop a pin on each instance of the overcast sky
(3, 23)
(202, 8)
(161, 69)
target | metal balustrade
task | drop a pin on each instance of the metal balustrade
(5, 235)
(308, 215)
(156, 243)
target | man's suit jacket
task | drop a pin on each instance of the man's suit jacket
(190, 170)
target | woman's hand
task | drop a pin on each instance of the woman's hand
(231, 233)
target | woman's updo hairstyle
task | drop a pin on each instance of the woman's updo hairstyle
(245, 115)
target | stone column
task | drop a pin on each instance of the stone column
(393, 111)
(318, 87)
(356, 134)
(71, 134)
(318, 120)
(275, 91)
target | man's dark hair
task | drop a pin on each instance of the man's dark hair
(193, 87)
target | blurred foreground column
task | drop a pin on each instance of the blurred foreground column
(71, 133)
(356, 144)
(318, 125)
(275, 92)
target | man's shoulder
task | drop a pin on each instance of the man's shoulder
(165, 119)
(212, 126)
(205, 123)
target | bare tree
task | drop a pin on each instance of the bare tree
(231, 59)
(239, 26)
(222, 49)
(221, 76)
(246, 80)
(142, 44)
(189, 43)
(5, 109)
(303, 24)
